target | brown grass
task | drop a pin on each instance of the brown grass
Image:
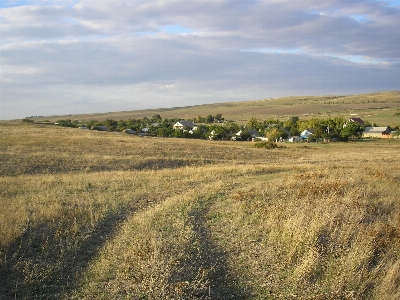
(377, 108)
(90, 215)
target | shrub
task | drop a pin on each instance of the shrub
(266, 145)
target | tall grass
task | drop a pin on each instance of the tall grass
(88, 215)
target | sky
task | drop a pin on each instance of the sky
(61, 57)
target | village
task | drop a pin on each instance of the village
(292, 130)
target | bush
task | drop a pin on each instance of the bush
(266, 145)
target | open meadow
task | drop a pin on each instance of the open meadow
(382, 108)
(103, 215)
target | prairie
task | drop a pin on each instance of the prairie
(99, 215)
(379, 108)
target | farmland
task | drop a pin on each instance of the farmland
(104, 215)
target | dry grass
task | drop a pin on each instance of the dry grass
(89, 215)
(375, 107)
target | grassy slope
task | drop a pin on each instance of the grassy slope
(88, 215)
(376, 108)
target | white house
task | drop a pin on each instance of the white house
(377, 132)
(306, 133)
(253, 133)
(181, 124)
(191, 131)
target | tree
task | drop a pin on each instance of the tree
(292, 126)
(65, 123)
(145, 122)
(156, 119)
(275, 134)
(199, 132)
(232, 127)
(220, 132)
(253, 124)
(164, 132)
(199, 119)
(351, 130)
(396, 133)
(111, 124)
(218, 118)
(209, 119)
(244, 135)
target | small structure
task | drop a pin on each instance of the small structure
(253, 133)
(357, 120)
(129, 131)
(193, 130)
(182, 124)
(100, 128)
(295, 139)
(377, 132)
(306, 133)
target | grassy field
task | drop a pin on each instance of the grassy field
(98, 215)
(379, 108)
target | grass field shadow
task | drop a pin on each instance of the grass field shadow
(30, 272)
(205, 265)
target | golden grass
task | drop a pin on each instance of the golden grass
(377, 108)
(89, 215)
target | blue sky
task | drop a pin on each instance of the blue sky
(84, 56)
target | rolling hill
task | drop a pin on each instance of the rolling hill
(377, 108)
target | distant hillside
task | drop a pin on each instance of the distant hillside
(377, 108)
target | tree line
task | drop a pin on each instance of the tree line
(217, 128)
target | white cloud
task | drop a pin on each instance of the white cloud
(175, 52)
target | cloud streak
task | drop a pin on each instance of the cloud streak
(61, 57)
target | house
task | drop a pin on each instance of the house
(376, 132)
(129, 131)
(295, 139)
(191, 131)
(100, 128)
(357, 120)
(306, 133)
(181, 124)
(253, 133)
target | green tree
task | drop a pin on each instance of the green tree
(209, 119)
(156, 119)
(253, 124)
(244, 135)
(199, 119)
(218, 118)
(351, 130)
(396, 133)
(220, 132)
(292, 126)
(66, 123)
(164, 132)
(275, 133)
(111, 124)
